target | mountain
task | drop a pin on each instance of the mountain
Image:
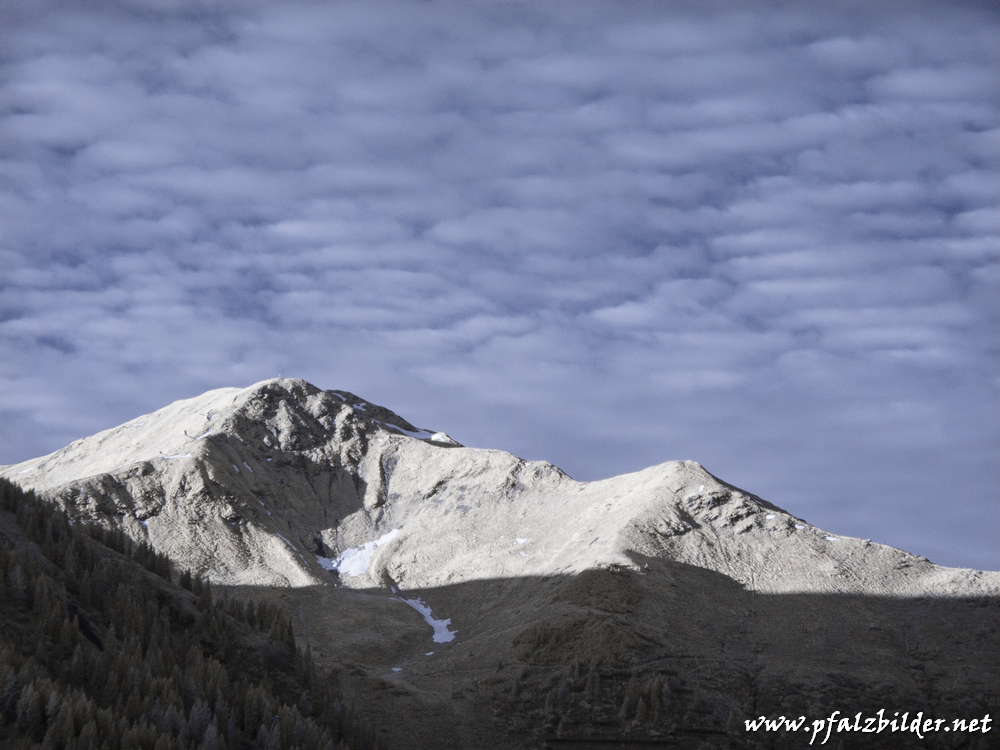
(469, 598)
(104, 646)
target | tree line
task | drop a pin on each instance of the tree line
(104, 646)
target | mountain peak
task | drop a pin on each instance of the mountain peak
(226, 461)
(277, 482)
(372, 529)
(286, 413)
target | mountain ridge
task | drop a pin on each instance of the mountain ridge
(567, 603)
(342, 472)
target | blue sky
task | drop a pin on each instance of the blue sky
(765, 237)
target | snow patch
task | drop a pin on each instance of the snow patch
(799, 526)
(179, 455)
(397, 669)
(831, 539)
(519, 540)
(354, 561)
(441, 632)
(522, 554)
(285, 541)
(25, 471)
(236, 468)
(770, 516)
(418, 434)
(429, 653)
(248, 467)
(204, 435)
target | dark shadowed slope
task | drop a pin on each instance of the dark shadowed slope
(101, 648)
(470, 599)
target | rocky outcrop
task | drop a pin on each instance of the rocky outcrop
(505, 602)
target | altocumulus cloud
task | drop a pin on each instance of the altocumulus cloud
(606, 234)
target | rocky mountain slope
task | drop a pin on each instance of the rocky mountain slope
(494, 602)
(104, 646)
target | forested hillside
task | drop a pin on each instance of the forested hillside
(104, 646)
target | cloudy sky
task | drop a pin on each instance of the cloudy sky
(605, 234)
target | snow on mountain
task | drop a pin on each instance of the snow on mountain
(330, 481)
(670, 583)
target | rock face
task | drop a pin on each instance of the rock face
(663, 606)
(240, 485)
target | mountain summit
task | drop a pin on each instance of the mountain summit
(271, 484)
(223, 482)
(667, 587)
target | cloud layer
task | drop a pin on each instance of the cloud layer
(604, 235)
